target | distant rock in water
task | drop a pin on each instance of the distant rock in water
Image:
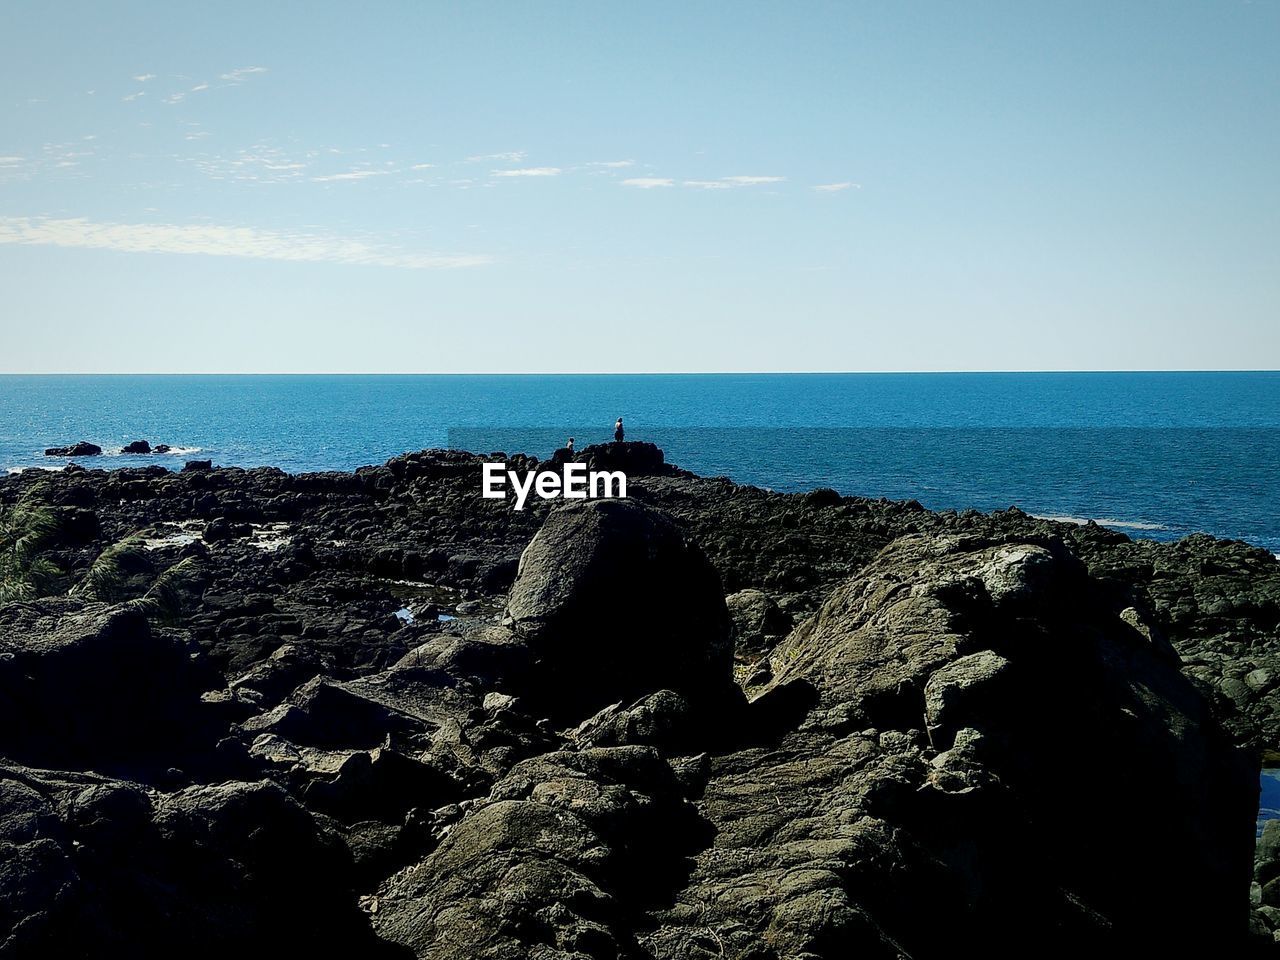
(616, 603)
(161, 448)
(138, 446)
(82, 449)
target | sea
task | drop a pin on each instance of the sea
(1158, 455)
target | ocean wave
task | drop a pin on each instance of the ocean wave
(16, 470)
(171, 452)
(1104, 522)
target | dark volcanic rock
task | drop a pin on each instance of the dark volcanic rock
(82, 449)
(1054, 728)
(137, 446)
(96, 867)
(221, 528)
(635, 459)
(555, 863)
(94, 686)
(615, 602)
(758, 623)
(990, 734)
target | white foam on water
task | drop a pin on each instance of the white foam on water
(175, 534)
(1103, 522)
(13, 471)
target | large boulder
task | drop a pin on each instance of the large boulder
(90, 685)
(614, 603)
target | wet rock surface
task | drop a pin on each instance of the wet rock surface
(393, 718)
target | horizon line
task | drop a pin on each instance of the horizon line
(615, 373)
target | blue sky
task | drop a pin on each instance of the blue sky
(602, 187)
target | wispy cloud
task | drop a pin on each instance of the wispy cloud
(144, 77)
(728, 183)
(240, 74)
(221, 241)
(134, 96)
(350, 175)
(837, 187)
(261, 163)
(528, 172)
(422, 166)
(200, 86)
(648, 183)
(513, 156)
(612, 164)
(174, 98)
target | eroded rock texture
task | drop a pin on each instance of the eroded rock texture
(394, 719)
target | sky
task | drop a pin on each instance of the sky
(606, 187)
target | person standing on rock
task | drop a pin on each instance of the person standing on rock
(617, 431)
(569, 446)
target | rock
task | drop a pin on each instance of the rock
(161, 448)
(137, 446)
(197, 466)
(108, 871)
(220, 529)
(981, 717)
(1055, 711)
(287, 667)
(92, 685)
(499, 701)
(663, 720)
(615, 602)
(635, 459)
(757, 621)
(966, 693)
(82, 449)
(1259, 680)
(566, 845)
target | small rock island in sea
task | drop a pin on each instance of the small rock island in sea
(374, 714)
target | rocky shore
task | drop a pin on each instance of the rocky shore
(248, 711)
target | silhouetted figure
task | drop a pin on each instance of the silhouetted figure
(569, 446)
(617, 431)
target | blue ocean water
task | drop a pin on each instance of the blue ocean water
(1154, 454)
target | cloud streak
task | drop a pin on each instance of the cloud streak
(528, 172)
(350, 175)
(222, 241)
(240, 74)
(837, 187)
(728, 183)
(512, 156)
(648, 183)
